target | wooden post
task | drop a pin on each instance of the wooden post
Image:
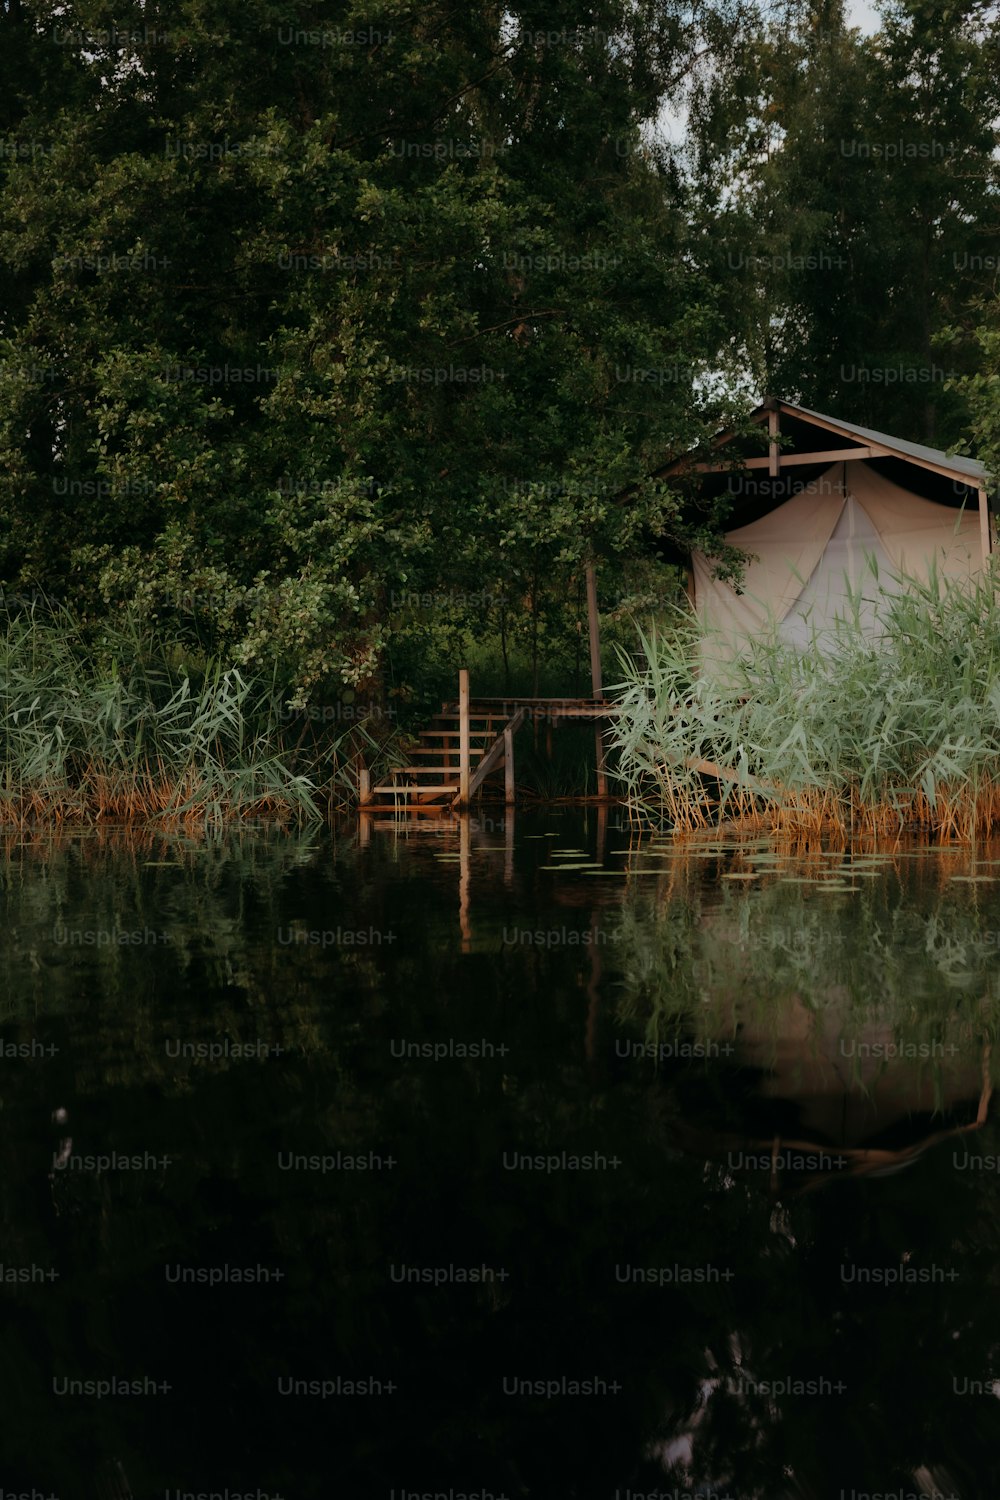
(774, 452)
(984, 526)
(602, 778)
(595, 673)
(508, 766)
(595, 633)
(463, 739)
(364, 786)
(464, 869)
(508, 847)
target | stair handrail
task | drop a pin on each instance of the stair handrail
(494, 754)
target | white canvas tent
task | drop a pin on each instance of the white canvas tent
(806, 550)
(857, 518)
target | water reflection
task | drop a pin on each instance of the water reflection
(859, 994)
(508, 1119)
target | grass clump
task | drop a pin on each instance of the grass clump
(125, 726)
(866, 730)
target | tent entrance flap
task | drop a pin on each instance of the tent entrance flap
(846, 563)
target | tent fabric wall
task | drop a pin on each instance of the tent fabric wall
(916, 532)
(831, 528)
(786, 545)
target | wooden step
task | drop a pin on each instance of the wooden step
(486, 712)
(438, 775)
(418, 787)
(453, 734)
(400, 825)
(514, 701)
(422, 770)
(429, 770)
(442, 750)
(408, 817)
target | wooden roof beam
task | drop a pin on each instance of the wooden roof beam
(788, 460)
(774, 408)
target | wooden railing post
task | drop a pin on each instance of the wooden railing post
(508, 766)
(464, 879)
(364, 786)
(594, 629)
(599, 757)
(596, 686)
(463, 739)
(984, 526)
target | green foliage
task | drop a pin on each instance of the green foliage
(849, 185)
(982, 392)
(291, 329)
(297, 330)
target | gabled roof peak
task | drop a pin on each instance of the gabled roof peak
(969, 470)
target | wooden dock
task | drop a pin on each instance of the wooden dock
(467, 747)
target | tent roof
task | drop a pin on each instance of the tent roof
(953, 466)
(917, 452)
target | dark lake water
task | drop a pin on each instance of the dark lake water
(525, 1159)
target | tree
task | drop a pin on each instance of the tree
(853, 185)
(290, 301)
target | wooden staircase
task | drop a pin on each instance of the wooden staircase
(431, 783)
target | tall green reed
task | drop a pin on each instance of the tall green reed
(124, 725)
(867, 728)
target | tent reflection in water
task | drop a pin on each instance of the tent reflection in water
(840, 509)
(847, 1052)
(864, 1107)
